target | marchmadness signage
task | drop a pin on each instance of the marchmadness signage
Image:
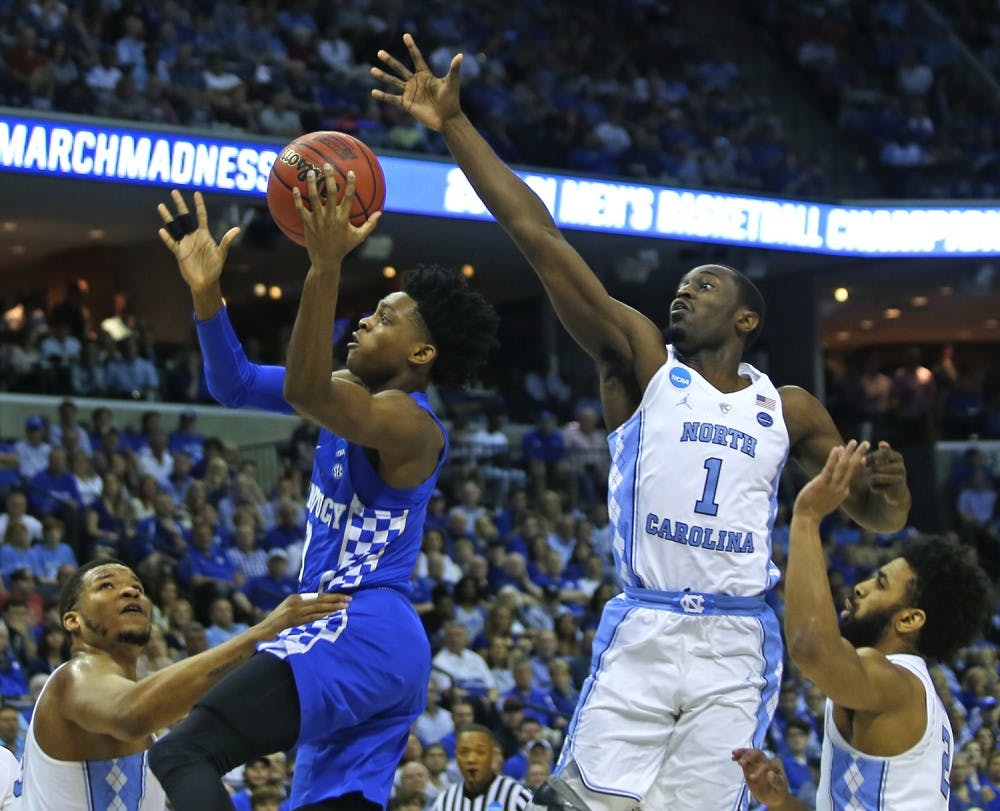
(438, 189)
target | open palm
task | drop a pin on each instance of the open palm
(431, 99)
(199, 257)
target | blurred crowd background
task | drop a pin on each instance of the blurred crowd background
(516, 565)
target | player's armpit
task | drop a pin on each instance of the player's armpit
(94, 697)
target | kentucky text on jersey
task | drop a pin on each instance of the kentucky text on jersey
(693, 535)
(324, 508)
(719, 435)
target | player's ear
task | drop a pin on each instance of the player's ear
(910, 620)
(423, 353)
(72, 621)
(747, 321)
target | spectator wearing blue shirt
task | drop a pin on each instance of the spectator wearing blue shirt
(533, 747)
(54, 490)
(130, 376)
(13, 683)
(223, 626)
(544, 452)
(266, 591)
(288, 528)
(159, 534)
(537, 703)
(51, 554)
(563, 694)
(180, 478)
(16, 552)
(796, 762)
(185, 439)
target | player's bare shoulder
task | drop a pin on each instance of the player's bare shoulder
(804, 415)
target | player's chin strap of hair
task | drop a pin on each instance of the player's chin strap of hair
(181, 226)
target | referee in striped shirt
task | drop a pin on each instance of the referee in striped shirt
(483, 788)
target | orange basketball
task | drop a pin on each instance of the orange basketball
(310, 152)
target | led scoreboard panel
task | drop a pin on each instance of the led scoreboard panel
(176, 159)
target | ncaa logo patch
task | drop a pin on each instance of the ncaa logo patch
(338, 470)
(494, 806)
(680, 377)
(765, 419)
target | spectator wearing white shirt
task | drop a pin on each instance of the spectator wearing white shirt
(467, 670)
(156, 461)
(17, 510)
(68, 423)
(434, 722)
(32, 451)
(59, 347)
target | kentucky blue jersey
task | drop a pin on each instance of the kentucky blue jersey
(360, 532)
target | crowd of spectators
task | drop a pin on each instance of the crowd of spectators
(615, 88)
(890, 73)
(514, 570)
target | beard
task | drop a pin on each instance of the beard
(675, 335)
(139, 638)
(867, 631)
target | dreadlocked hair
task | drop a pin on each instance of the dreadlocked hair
(462, 324)
(952, 590)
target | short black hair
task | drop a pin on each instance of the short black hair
(70, 594)
(952, 590)
(752, 299)
(462, 324)
(478, 728)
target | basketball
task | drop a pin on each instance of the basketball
(310, 152)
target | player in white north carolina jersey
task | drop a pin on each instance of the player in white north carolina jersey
(887, 742)
(93, 722)
(691, 536)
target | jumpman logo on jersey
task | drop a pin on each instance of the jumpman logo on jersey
(684, 401)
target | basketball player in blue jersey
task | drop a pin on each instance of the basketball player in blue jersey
(93, 722)
(344, 689)
(686, 662)
(887, 740)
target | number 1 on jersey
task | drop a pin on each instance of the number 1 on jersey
(707, 504)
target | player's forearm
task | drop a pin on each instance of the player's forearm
(508, 198)
(878, 513)
(811, 627)
(168, 695)
(310, 353)
(232, 379)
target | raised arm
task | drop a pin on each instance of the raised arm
(608, 330)
(858, 680)
(232, 379)
(101, 700)
(388, 421)
(879, 498)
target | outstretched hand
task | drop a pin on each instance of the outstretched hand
(330, 235)
(832, 485)
(430, 99)
(765, 776)
(198, 256)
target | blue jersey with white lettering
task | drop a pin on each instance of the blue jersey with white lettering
(360, 532)
(692, 490)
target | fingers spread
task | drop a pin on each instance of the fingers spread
(395, 65)
(415, 55)
(178, 199)
(388, 78)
